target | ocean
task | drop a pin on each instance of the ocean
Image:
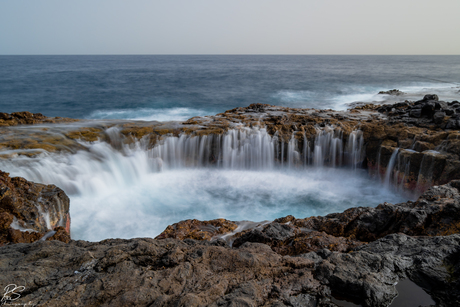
(175, 87)
(116, 194)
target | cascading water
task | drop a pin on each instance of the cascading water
(130, 191)
(254, 148)
(390, 167)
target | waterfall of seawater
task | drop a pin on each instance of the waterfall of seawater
(245, 174)
(399, 171)
(390, 167)
(254, 148)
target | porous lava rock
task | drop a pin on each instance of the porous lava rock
(171, 272)
(28, 118)
(30, 210)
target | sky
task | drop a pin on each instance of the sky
(229, 27)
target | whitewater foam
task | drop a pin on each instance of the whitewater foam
(149, 114)
(123, 194)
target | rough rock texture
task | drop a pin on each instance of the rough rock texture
(358, 254)
(426, 138)
(391, 92)
(198, 230)
(27, 118)
(435, 213)
(148, 272)
(30, 210)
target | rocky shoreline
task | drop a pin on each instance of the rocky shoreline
(358, 255)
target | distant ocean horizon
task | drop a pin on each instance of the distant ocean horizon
(177, 87)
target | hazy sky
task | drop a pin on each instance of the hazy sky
(229, 27)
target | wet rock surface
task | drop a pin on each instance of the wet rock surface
(27, 118)
(30, 210)
(424, 133)
(434, 213)
(395, 92)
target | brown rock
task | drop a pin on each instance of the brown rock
(197, 230)
(30, 210)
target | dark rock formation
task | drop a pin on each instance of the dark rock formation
(358, 254)
(30, 210)
(148, 272)
(394, 92)
(435, 213)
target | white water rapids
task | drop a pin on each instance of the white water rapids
(245, 174)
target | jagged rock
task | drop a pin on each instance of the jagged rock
(30, 210)
(436, 212)
(358, 254)
(198, 230)
(394, 92)
(438, 117)
(27, 118)
(430, 97)
(169, 272)
(417, 113)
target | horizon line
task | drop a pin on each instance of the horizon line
(223, 54)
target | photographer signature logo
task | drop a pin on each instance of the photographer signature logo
(12, 293)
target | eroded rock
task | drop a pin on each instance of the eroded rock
(30, 210)
(169, 272)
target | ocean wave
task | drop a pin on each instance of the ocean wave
(294, 96)
(149, 114)
(365, 94)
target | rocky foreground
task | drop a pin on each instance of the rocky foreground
(358, 255)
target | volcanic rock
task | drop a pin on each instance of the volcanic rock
(394, 92)
(30, 210)
(169, 272)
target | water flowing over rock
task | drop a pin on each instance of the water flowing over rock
(358, 255)
(254, 148)
(29, 211)
(264, 137)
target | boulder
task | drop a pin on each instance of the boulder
(394, 92)
(28, 211)
(430, 97)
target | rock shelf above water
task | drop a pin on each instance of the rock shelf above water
(359, 254)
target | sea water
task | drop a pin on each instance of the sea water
(174, 87)
(125, 194)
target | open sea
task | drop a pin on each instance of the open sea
(164, 87)
(115, 193)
